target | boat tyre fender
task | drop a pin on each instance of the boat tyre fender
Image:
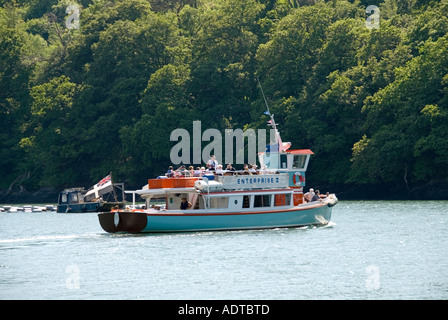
(83, 208)
(333, 202)
(116, 218)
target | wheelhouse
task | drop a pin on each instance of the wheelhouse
(291, 160)
(73, 195)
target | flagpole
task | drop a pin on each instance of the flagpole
(113, 187)
(273, 124)
(267, 106)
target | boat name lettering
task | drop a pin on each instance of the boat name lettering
(258, 180)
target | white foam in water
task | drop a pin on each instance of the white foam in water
(41, 238)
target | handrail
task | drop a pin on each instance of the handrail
(187, 174)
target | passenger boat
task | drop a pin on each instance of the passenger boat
(102, 197)
(272, 198)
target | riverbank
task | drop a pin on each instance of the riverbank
(43, 195)
(432, 190)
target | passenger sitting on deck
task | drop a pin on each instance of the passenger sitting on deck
(246, 170)
(219, 170)
(184, 205)
(180, 172)
(309, 195)
(230, 171)
(170, 171)
(316, 196)
(191, 170)
(254, 169)
(197, 172)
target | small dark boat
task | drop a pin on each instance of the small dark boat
(102, 197)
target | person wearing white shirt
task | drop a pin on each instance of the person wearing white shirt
(219, 170)
(212, 164)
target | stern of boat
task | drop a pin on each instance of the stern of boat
(122, 221)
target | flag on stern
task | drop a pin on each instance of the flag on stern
(104, 186)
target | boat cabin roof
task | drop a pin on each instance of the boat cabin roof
(300, 151)
(80, 189)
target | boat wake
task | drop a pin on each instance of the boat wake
(47, 238)
(330, 224)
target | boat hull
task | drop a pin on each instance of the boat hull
(88, 207)
(123, 221)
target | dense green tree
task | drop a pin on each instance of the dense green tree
(76, 104)
(407, 122)
(49, 146)
(166, 105)
(19, 54)
(222, 63)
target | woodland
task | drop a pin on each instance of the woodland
(80, 101)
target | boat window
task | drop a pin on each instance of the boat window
(298, 161)
(219, 203)
(283, 163)
(73, 197)
(262, 200)
(63, 198)
(282, 199)
(287, 199)
(246, 201)
(279, 200)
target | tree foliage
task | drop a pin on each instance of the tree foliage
(76, 104)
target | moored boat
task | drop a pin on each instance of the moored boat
(102, 197)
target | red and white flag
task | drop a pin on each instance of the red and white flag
(102, 187)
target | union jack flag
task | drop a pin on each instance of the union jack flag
(102, 187)
(104, 180)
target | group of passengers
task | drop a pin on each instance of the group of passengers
(212, 167)
(312, 196)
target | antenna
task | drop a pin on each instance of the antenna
(273, 124)
(267, 106)
(278, 139)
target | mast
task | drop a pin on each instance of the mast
(278, 139)
(113, 187)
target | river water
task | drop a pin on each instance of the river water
(370, 250)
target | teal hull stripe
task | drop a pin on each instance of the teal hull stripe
(177, 223)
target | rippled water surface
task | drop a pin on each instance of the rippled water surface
(371, 250)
